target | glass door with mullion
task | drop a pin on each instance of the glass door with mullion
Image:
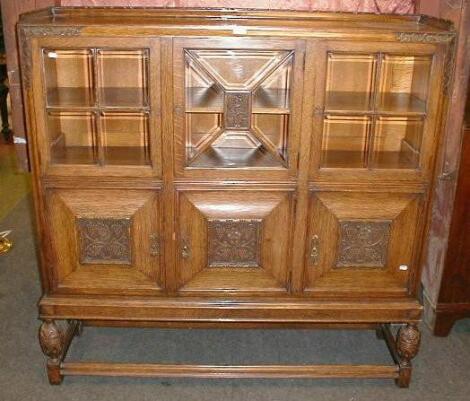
(235, 107)
(375, 113)
(100, 101)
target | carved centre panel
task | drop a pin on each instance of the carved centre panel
(238, 110)
(363, 243)
(104, 241)
(234, 243)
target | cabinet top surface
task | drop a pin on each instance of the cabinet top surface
(296, 22)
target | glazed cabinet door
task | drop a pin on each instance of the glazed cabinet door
(237, 105)
(234, 242)
(106, 241)
(375, 110)
(362, 244)
(98, 106)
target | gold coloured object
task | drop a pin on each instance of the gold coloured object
(5, 245)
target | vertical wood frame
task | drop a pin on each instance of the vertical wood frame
(433, 111)
(245, 173)
(154, 88)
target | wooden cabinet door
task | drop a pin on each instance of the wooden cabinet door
(106, 241)
(237, 104)
(97, 106)
(362, 244)
(375, 110)
(234, 241)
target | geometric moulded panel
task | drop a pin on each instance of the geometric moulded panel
(363, 243)
(104, 241)
(229, 97)
(234, 243)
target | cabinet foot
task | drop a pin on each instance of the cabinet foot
(407, 346)
(54, 342)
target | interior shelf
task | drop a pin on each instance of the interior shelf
(235, 158)
(401, 103)
(271, 101)
(343, 159)
(347, 101)
(64, 97)
(70, 97)
(356, 102)
(265, 101)
(73, 154)
(123, 97)
(126, 155)
(204, 100)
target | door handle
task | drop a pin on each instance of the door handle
(314, 250)
(185, 249)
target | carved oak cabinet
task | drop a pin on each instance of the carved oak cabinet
(229, 168)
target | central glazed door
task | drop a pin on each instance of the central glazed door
(237, 103)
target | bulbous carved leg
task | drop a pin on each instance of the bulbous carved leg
(52, 340)
(408, 341)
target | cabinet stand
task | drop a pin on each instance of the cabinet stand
(55, 342)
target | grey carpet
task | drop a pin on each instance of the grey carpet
(441, 369)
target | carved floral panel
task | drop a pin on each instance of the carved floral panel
(363, 243)
(234, 243)
(238, 111)
(104, 241)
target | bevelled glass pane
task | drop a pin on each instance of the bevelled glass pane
(69, 77)
(404, 82)
(125, 138)
(123, 77)
(273, 94)
(273, 128)
(238, 69)
(345, 141)
(72, 137)
(397, 142)
(350, 82)
(237, 104)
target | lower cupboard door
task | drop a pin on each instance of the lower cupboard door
(105, 241)
(362, 244)
(234, 242)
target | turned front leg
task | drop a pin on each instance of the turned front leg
(52, 341)
(408, 341)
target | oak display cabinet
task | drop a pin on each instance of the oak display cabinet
(229, 168)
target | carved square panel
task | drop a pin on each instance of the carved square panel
(104, 241)
(238, 110)
(363, 243)
(234, 242)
